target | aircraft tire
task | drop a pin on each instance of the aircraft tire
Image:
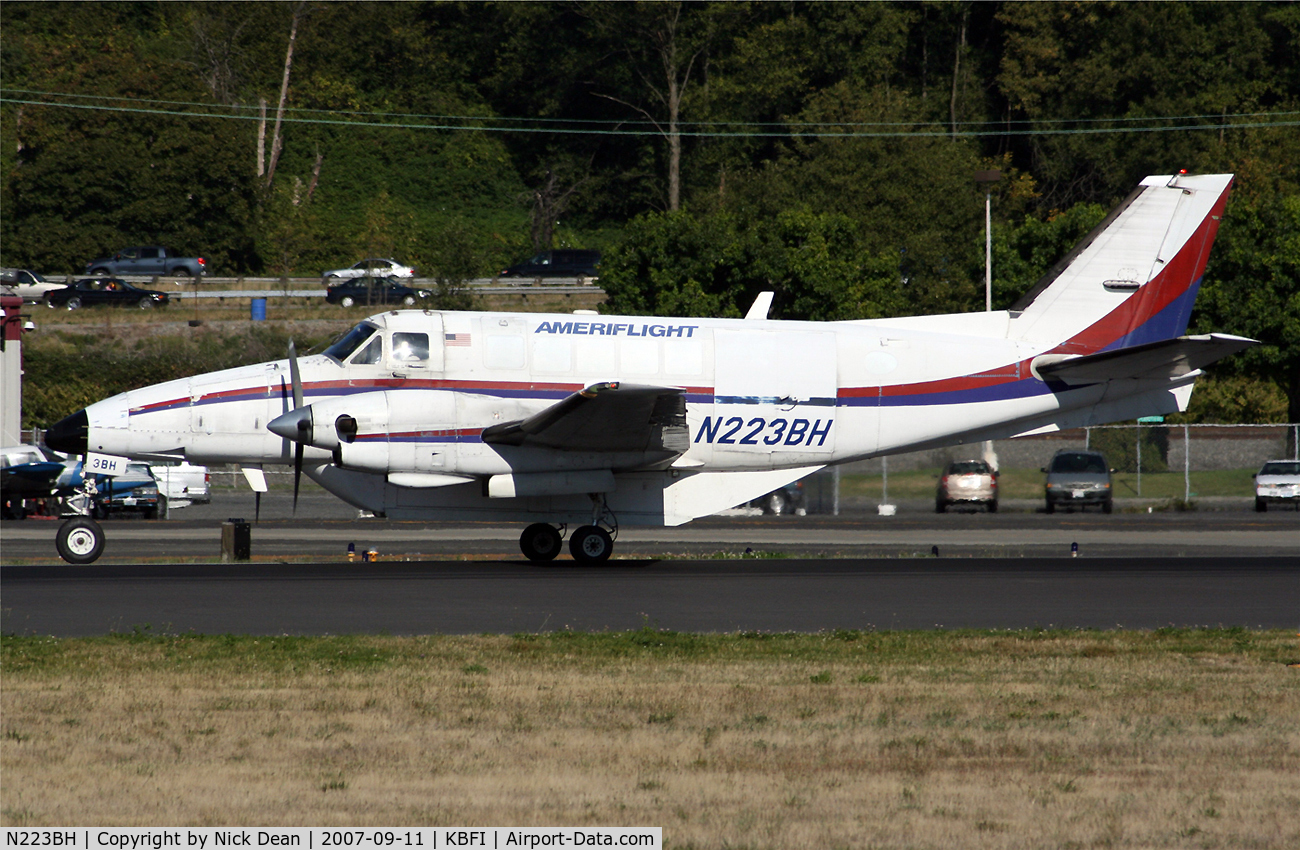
(591, 544)
(80, 541)
(540, 542)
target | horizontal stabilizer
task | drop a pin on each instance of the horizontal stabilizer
(607, 417)
(1170, 358)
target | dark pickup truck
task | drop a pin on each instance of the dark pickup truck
(147, 259)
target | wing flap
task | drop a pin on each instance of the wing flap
(605, 417)
(1170, 358)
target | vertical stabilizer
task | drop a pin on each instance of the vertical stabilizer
(1134, 279)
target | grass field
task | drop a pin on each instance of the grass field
(851, 739)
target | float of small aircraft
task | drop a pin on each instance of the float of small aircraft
(599, 421)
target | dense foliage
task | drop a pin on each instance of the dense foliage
(824, 150)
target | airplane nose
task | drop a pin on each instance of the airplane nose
(69, 434)
(294, 425)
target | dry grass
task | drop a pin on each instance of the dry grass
(927, 740)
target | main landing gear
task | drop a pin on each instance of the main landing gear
(589, 544)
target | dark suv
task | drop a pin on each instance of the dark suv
(569, 262)
(1078, 477)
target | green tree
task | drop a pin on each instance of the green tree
(1252, 288)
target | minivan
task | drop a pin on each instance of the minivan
(1078, 477)
(568, 262)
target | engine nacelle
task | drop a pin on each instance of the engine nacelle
(380, 432)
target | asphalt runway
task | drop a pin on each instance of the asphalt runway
(687, 595)
(856, 571)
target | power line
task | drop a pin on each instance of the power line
(622, 130)
(618, 122)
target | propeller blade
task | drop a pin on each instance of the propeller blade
(297, 474)
(295, 377)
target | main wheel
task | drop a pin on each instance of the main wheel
(591, 544)
(540, 542)
(80, 541)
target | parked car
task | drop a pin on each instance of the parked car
(967, 482)
(1078, 477)
(134, 491)
(27, 285)
(182, 482)
(1278, 481)
(785, 500)
(148, 259)
(93, 291)
(567, 262)
(373, 290)
(370, 267)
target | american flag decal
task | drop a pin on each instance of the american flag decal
(457, 339)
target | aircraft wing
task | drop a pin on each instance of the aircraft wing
(606, 417)
(1170, 358)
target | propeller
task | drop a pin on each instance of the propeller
(304, 423)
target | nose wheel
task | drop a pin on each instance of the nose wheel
(80, 541)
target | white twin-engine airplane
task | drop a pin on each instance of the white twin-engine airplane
(600, 420)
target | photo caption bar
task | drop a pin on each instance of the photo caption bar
(315, 838)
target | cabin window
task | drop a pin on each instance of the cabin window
(350, 342)
(684, 357)
(504, 352)
(553, 354)
(411, 349)
(370, 354)
(638, 356)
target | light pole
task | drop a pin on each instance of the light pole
(987, 179)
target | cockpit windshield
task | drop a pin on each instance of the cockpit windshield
(350, 342)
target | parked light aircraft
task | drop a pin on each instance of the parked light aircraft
(596, 421)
